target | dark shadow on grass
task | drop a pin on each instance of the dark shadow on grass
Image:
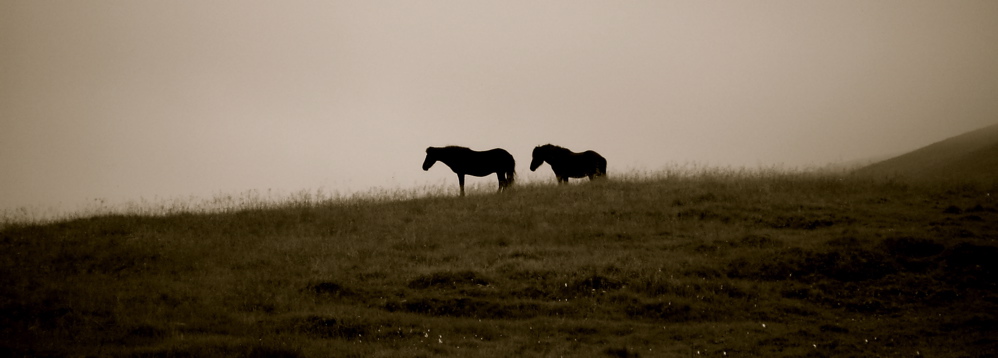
(478, 308)
(326, 327)
(448, 280)
(330, 290)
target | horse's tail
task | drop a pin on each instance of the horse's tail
(602, 166)
(511, 173)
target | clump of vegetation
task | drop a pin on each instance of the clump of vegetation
(672, 264)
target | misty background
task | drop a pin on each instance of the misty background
(121, 100)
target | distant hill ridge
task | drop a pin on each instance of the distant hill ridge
(972, 155)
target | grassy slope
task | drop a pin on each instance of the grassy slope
(969, 156)
(773, 265)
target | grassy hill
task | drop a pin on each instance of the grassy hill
(715, 264)
(972, 155)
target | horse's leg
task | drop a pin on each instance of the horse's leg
(460, 181)
(502, 181)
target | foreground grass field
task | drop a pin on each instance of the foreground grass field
(699, 265)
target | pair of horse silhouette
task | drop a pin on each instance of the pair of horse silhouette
(565, 163)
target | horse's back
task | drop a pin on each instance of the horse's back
(595, 157)
(498, 151)
(499, 154)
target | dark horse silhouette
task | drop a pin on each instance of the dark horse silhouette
(568, 164)
(466, 161)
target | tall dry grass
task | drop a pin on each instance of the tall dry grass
(712, 262)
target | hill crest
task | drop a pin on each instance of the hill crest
(972, 155)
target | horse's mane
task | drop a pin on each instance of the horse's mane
(551, 148)
(454, 148)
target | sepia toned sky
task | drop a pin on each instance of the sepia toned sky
(123, 99)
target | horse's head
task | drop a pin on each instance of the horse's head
(538, 158)
(430, 158)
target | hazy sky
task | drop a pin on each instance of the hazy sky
(144, 99)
